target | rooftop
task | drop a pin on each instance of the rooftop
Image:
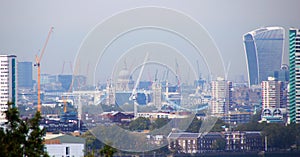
(64, 138)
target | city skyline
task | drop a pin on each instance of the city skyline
(141, 77)
(24, 31)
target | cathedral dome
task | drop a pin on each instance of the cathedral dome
(123, 74)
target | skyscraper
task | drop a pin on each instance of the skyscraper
(8, 83)
(272, 93)
(294, 85)
(25, 75)
(156, 88)
(264, 50)
(221, 96)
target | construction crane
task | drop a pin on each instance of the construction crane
(75, 72)
(134, 91)
(38, 65)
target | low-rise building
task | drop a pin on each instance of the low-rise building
(237, 117)
(237, 141)
(274, 115)
(243, 141)
(185, 142)
(169, 115)
(62, 145)
(116, 116)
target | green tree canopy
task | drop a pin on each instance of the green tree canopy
(140, 123)
(21, 137)
(159, 122)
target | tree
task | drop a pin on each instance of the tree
(107, 151)
(195, 125)
(92, 144)
(13, 133)
(218, 127)
(140, 123)
(34, 144)
(21, 137)
(159, 122)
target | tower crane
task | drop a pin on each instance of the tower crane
(38, 65)
(75, 73)
(134, 91)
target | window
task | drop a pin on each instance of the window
(67, 151)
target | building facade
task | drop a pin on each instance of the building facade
(264, 50)
(221, 96)
(8, 83)
(243, 141)
(186, 142)
(66, 82)
(58, 145)
(157, 97)
(272, 93)
(237, 141)
(294, 85)
(237, 117)
(25, 75)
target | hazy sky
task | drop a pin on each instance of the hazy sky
(25, 24)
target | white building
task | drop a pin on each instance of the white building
(221, 96)
(61, 145)
(272, 93)
(8, 83)
(156, 87)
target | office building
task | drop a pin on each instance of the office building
(282, 74)
(294, 85)
(8, 83)
(221, 96)
(272, 93)
(264, 50)
(66, 82)
(25, 75)
(48, 79)
(236, 117)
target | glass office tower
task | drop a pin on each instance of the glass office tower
(264, 50)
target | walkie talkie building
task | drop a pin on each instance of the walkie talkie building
(264, 49)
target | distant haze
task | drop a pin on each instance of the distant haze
(25, 24)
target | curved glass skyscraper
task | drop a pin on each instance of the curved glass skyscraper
(264, 50)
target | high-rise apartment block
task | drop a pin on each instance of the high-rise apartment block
(264, 50)
(272, 93)
(8, 83)
(221, 96)
(294, 85)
